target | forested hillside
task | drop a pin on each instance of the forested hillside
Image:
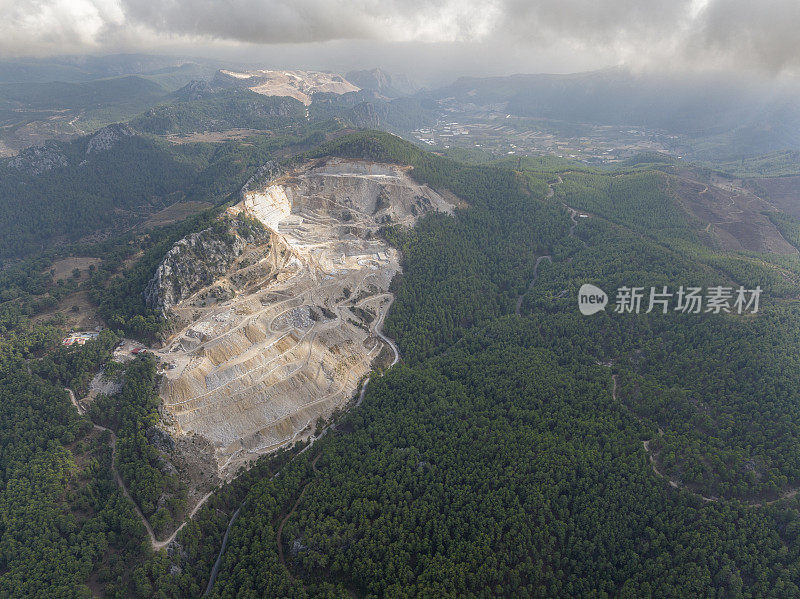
(112, 180)
(545, 454)
(65, 524)
(204, 110)
(520, 449)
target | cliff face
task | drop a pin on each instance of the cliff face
(270, 337)
(197, 260)
(381, 82)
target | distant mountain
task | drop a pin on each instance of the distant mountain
(199, 107)
(272, 101)
(381, 82)
(64, 191)
(64, 97)
(194, 90)
(115, 65)
(106, 182)
(35, 113)
(89, 94)
(75, 69)
(369, 110)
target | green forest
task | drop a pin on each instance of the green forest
(519, 449)
(62, 192)
(66, 529)
(496, 460)
(218, 111)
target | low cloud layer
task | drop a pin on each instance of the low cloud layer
(678, 33)
(302, 21)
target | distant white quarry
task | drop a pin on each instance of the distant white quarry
(295, 84)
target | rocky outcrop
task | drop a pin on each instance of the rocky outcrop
(197, 89)
(39, 159)
(197, 260)
(265, 173)
(367, 115)
(203, 108)
(107, 137)
(160, 439)
(374, 79)
(380, 81)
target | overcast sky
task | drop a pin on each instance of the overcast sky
(426, 38)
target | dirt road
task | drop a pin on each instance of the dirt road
(532, 283)
(154, 542)
(289, 515)
(377, 329)
(676, 484)
(550, 194)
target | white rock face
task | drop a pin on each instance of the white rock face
(283, 337)
(271, 206)
(107, 137)
(295, 84)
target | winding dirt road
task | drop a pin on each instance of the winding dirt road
(378, 330)
(289, 515)
(154, 542)
(532, 283)
(312, 440)
(676, 484)
(572, 215)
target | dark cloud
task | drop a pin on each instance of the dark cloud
(761, 34)
(303, 21)
(618, 21)
(489, 35)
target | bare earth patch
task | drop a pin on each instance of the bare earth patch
(174, 213)
(731, 214)
(80, 311)
(285, 335)
(294, 84)
(214, 136)
(65, 267)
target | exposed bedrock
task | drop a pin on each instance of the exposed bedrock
(277, 325)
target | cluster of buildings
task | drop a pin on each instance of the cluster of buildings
(428, 135)
(79, 338)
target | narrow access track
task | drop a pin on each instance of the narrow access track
(676, 484)
(532, 283)
(154, 542)
(550, 194)
(289, 515)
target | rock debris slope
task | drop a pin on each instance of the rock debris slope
(277, 307)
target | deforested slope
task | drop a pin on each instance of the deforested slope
(275, 329)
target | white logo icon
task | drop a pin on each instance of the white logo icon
(591, 299)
